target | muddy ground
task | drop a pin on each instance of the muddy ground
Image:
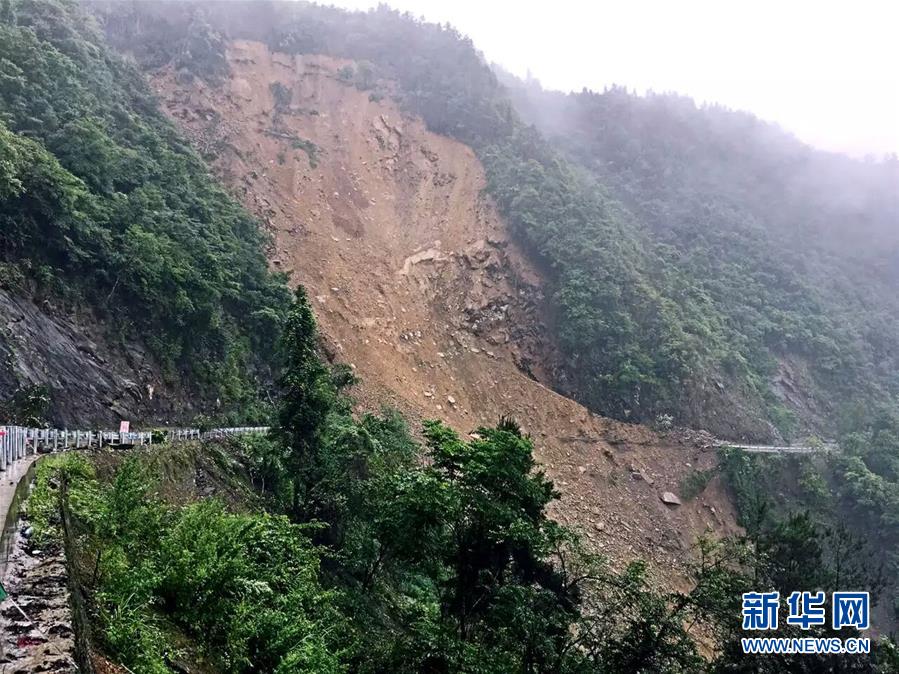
(37, 582)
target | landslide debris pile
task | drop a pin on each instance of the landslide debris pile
(419, 287)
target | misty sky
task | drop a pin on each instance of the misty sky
(826, 71)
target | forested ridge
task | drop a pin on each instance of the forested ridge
(103, 204)
(680, 243)
(796, 248)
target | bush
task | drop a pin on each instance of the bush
(247, 585)
(696, 482)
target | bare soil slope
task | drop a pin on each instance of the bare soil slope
(418, 286)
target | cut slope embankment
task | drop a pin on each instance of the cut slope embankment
(91, 378)
(418, 285)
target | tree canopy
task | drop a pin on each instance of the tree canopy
(103, 204)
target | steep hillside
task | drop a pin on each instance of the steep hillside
(111, 227)
(796, 248)
(670, 296)
(59, 365)
(417, 285)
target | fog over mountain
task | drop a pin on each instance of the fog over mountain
(487, 364)
(823, 71)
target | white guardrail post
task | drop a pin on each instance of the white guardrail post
(17, 442)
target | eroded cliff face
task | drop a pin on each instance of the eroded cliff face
(419, 287)
(91, 379)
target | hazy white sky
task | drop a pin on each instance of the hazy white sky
(826, 71)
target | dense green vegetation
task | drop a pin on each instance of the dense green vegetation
(248, 583)
(855, 489)
(805, 533)
(868, 477)
(102, 204)
(679, 241)
(794, 248)
(848, 499)
(370, 560)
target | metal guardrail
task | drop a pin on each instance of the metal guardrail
(822, 448)
(214, 433)
(17, 442)
(182, 434)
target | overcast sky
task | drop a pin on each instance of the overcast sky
(826, 71)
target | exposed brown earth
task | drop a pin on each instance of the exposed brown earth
(417, 285)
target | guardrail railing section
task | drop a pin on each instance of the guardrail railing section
(13, 445)
(17, 442)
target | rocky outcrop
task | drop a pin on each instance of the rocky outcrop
(90, 380)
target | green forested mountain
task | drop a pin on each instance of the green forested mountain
(696, 256)
(103, 204)
(798, 253)
(797, 249)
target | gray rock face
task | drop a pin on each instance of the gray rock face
(669, 498)
(91, 379)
